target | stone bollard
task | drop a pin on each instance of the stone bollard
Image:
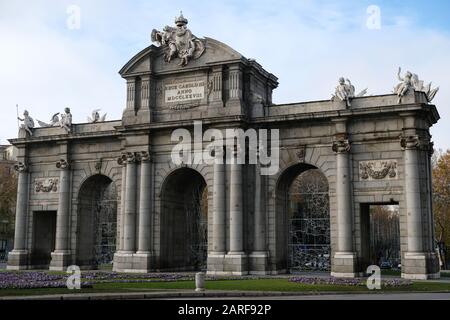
(200, 281)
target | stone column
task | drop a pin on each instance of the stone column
(122, 201)
(344, 257)
(412, 195)
(235, 88)
(17, 259)
(129, 233)
(142, 258)
(219, 209)
(215, 87)
(236, 210)
(217, 255)
(124, 259)
(61, 255)
(420, 261)
(260, 214)
(145, 202)
(259, 255)
(237, 259)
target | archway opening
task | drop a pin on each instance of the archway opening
(380, 236)
(97, 222)
(303, 220)
(184, 221)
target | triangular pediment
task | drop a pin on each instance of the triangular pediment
(152, 59)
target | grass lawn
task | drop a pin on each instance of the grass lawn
(242, 285)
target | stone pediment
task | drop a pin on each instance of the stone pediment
(151, 59)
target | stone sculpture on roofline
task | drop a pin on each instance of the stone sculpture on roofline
(411, 82)
(28, 122)
(345, 91)
(96, 118)
(179, 42)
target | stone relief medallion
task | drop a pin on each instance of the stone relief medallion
(46, 185)
(378, 170)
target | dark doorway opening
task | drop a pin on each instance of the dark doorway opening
(184, 221)
(44, 234)
(381, 235)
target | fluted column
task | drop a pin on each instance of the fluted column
(145, 204)
(63, 214)
(129, 234)
(236, 211)
(131, 93)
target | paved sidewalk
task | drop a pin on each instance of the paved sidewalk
(227, 295)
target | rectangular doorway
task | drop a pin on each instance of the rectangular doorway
(44, 234)
(380, 235)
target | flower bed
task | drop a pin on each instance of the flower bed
(348, 281)
(40, 279)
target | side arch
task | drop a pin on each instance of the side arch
(97, 221)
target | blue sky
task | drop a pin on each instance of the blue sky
(308, 44)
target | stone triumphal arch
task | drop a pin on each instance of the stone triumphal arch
(109, 192)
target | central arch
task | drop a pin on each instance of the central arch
(303, 220)
(184, 221)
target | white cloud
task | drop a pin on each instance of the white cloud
(308, 45)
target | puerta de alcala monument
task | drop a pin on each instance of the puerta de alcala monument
(108, 191)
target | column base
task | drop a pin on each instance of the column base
(142, 261)
(123, 261)
(17, 260)
(60, 260)
(420, 266)
(259, 263)
(236, 263)
(345, 265)
(216, 263)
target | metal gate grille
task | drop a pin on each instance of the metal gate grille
(106, 227)
(309, 223)
(197, 228)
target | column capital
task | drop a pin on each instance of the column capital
(415, 142)
(143, 156)
(127, 158)
(341, 146)
(21, 167)
(63, 164)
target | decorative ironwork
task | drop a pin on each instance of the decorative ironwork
(197, 218)
(309, 223)
(105, 226)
